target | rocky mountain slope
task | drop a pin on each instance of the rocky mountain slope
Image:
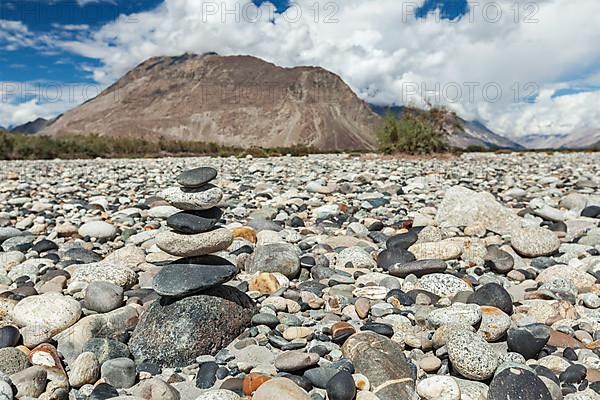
(467, 133)
(229, 100)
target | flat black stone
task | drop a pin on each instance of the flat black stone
(207, 375)
(492, 294)
(341, 387)
(307, 262)
(528, 340)
(402, 241)
(574, 374)
(44, 245)
(518, 383)
(197, 177)
(591, 212)
(81, 255)
(390, 257)
(192, 275)
(191, 222)
(418, 268)
(382, 329)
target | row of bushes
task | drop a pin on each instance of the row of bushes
(29, 147)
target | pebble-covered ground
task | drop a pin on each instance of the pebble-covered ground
(322, 277)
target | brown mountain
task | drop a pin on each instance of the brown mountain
(230, 100)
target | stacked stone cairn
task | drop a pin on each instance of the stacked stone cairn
(196, 311)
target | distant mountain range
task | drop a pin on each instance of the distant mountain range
(245, 101)
(577, 139)
(31, 127)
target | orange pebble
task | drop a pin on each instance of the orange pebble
(252, 382)
(244, 232)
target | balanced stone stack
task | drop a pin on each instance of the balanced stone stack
(195, 311)
(193, 229)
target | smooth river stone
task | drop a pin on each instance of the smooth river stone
(471, 355)
(418, 268)
(196, 177)
(44, 316)
(105, 272)
(193, 199)
(535, 242)
(200, 244)
(383, 362)
(442, 284)
(280, 388)
(194, 221)
(192, 275)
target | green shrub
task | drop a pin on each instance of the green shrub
(414, 132)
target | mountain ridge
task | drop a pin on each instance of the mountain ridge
(228, 100)
(31, 127)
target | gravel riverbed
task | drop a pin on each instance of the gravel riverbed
(322, 277)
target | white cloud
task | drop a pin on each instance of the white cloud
(380, 49)
(21, 102)
(71, 27)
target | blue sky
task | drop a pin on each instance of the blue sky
(375, 46)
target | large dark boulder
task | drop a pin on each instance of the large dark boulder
(174, 332)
